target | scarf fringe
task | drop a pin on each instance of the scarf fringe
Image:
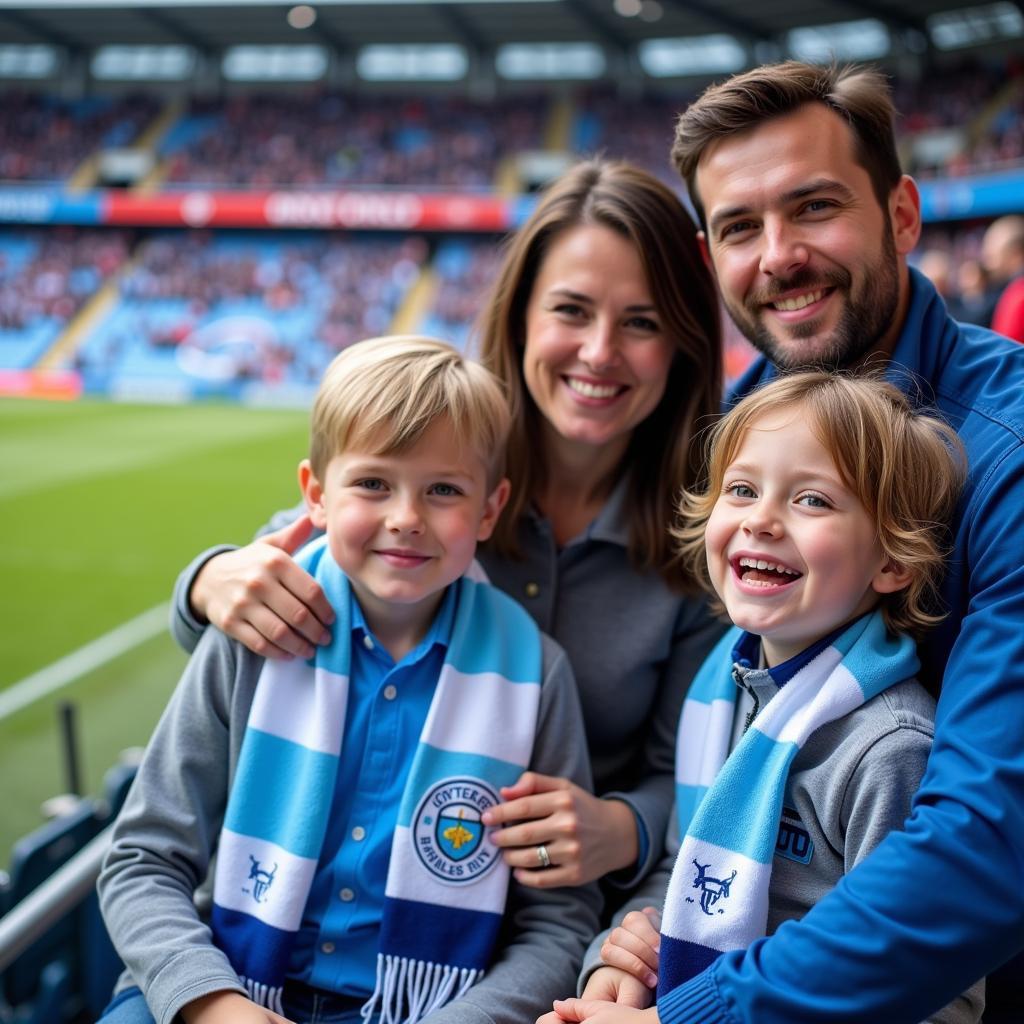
(408, 990)
(268, 996)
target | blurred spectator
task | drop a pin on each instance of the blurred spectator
(1002, 250)
(975, 298)
(936, 265)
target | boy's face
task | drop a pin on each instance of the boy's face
(403, 526)
(791, 551)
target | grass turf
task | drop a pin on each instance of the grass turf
(101, 505)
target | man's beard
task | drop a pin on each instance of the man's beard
(862, 322)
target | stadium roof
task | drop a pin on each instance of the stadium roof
(344, 27)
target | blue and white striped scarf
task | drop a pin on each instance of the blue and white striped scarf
(447, 883)
(729, 805)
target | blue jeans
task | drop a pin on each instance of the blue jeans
(302, 1005)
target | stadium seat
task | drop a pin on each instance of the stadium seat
(45, 979)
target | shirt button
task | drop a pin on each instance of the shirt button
(390, 693)
(368, 642)
(327, 947)
(532, 589)
(346, 896)
(359, 833)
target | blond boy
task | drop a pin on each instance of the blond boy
(354, 878)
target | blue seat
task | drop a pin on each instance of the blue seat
(100, 963)
(44, 982)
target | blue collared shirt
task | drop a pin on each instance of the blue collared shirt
(336, 948)
(746, 657)
(747, 653)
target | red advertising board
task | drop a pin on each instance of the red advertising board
(346, 211)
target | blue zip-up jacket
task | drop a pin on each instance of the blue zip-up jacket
(935, 907)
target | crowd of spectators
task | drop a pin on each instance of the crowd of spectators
(639, 129)
(968, 265)
(320, 292)
(43, 138)
(955, 119)
(950, 255)
(46, 277)
(465, 270)
(330, 139)
(962, 119)
(298, 300)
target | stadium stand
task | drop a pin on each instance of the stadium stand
(967, 119)
(465, 269)
(46, 138)
(68, 971)
(46, 278)
(205, 313)
(331, 138)
(639, 130)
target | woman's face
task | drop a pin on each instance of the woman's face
(597, 357)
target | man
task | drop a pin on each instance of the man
(1002, 253)
(807, 223)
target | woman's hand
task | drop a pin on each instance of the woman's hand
(580, 836)
(634, 946)
(259, 596)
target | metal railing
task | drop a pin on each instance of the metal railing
(42, 908)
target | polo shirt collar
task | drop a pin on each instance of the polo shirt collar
(610, 525)
(746, 655)
(439, 633)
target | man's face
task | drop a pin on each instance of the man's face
(806, 260)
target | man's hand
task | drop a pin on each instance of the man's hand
(260, 597)
(599, 1011)
(612, 985)
(228, 1008)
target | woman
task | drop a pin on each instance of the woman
(603, 324)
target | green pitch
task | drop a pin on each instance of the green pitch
(101, 505)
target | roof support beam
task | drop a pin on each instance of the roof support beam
(173, 27)
(889, 16)
(738, 26)
(45, 32)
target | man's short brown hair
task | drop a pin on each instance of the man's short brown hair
(859, 95)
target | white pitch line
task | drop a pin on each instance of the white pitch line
(76, 664)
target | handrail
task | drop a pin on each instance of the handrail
(48, 902)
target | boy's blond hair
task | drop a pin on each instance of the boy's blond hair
(384, 393)
(905, 467)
